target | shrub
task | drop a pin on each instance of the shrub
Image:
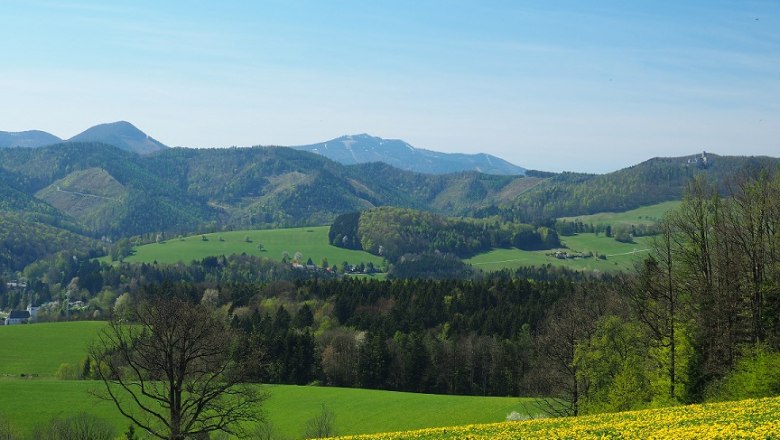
(78, 427)
(515, 416)
(66, 371)
(321, 425)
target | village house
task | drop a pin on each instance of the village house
(18, 317)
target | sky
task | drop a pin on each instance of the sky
(551, 85)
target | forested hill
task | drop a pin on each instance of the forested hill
(653, 181)
(98, 190)
(104, 190)
(395, 232)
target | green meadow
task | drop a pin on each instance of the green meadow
(619, 256)
(311, 242)
(41, 348)
(646, 215)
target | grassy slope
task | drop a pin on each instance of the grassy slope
(288, 407)
(620, 256)
(645, 215)
(312, 242)
(746, 419)
(40, 348)
(373, 411)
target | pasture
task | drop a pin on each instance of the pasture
(619, 256)
(39, 349)
(311, 242)
(645, 215)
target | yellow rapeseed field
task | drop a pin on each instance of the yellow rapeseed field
(746, 419)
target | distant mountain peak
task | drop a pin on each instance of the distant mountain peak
(27, 139)
(362, 148)
(120, 134)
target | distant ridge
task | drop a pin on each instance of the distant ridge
(364, 148)
(121, 134)
(27, 139)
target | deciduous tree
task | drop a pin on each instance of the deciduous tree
(170, 369)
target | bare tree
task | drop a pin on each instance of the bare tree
(321, 425)
(171, 371)
(568, 322)
(656, 297)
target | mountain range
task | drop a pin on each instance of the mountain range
(347, 150)
(364, 148)
(73, 193)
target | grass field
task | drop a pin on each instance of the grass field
(646, 215)
(620, 256)
(747, 419)
(288, 407)
(42, 348)
(312, 242)
(39, 349)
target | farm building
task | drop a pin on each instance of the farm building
(18, 317)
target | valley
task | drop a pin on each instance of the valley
(399, 300)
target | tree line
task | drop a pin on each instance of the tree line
(394, 232)
(696, 321)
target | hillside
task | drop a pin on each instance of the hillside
(24, 239)
(100, 190)
(364, 148)
(90, 196)
(109, 191)
(146, 201)
(653, 181)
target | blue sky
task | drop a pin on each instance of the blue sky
(553, 85)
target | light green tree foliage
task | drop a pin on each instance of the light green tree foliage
(66, 371)
(661, 356)
(613, 367)
(756, 374)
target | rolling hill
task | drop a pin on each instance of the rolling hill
(364, 148)
(653, 181)
(111, 191)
